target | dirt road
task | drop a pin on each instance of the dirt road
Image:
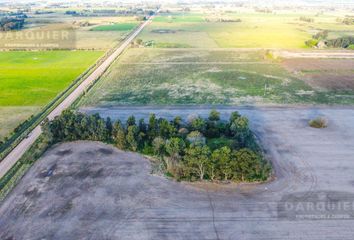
(88, 190)
(339, 54)
(25, 144)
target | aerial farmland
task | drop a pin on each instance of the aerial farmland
(177, 120)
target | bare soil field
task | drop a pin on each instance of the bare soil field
(298, 64)
(88, 190)
(323, 74)
(330, 81)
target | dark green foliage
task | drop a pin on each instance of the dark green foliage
(321, 35)
(198, 124)
(166, 130)
(306, 19)
(177, 122)
(215, 143)
(348, 21)
(248, 166)
(319, 122)
(175, 148)
(311, 43)
(234, 116)
(131, 121)
(343, 42)
(72, 126)
(159, 147)
(214, 116)
(152, 127)
(8, 24)
(133, 138)
(197, 161)
(202, 149)
(109, 127)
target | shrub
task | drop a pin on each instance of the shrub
(319, 122)
(196, 138)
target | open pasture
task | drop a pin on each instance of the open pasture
(150, 76)
(30, 80)
(115, 27)
(241, 29)
(91, 32)
(200, 76)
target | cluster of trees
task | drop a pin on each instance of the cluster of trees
(320, 35)
(347, 21)
(182, 148)
(342, 42)
(263, 10)
(306, 19)
(8, 24)
(222, 20)
(320, 38)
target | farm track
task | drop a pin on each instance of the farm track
(195, 63)
(339, 54)
(11, 159)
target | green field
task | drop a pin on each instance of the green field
(34, 78)
(116, 27)
(255, 30)
(150, 76)
(110, 29)
(192, 76)
(30, 80)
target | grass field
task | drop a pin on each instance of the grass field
(110, 29)
(30, 80)
(255, 30)
(116, 27)
(34, 78)
(187, 76)
(10, 117)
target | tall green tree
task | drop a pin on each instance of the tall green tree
(248, 166)
(133, 138)
(175, 147)
(131, 121)
(240, 129)
(152, 131)
(197, 160)
(198, 124)
(159, 147)
(214, 116)
(120, 135)
(234, 115)
(221, 159)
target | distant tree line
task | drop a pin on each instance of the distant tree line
(348, 20)
(342, 42)
(263, 10)
(306, 19)
(184, 150)
(9, 23)
(320, 38)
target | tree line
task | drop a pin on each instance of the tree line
(185, 150)
(321, 37)
(9, 23)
